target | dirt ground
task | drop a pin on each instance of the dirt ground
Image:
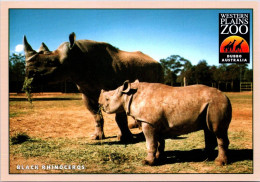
(70, 119)
(48, 121)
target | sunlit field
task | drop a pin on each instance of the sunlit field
(52, 135)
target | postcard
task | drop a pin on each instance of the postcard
(129, 90)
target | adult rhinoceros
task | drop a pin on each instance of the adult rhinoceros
(92, 66)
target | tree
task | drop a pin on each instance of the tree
(199, 73)
(187, 72)
(248, 75)
(202, 73)
(172, 66)
(17, 70)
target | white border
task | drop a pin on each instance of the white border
(5, 176)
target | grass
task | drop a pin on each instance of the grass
(56, 131)
(78, 151)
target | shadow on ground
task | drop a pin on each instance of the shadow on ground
(139, 137)
(198, 155)
(180, 156)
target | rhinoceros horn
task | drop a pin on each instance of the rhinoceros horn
(43, 48)
(27, 48)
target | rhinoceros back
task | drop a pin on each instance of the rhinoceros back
(112, 66)
(137, 65)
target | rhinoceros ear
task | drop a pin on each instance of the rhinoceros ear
(135, 84)
(126, 87)
(27, 48)
(136, 81)
(44, 48)
(72, 39)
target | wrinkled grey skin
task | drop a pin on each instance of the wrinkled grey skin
(165, 111)
(92, 66)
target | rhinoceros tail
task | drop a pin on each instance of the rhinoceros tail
(206, 113)
(228, 115)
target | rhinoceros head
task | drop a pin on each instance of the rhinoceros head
(117, 100)
(46, 66)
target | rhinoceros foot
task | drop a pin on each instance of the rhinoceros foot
(97, 136)
(220, 161)
(149, 162)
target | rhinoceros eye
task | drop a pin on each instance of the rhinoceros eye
(52, 63)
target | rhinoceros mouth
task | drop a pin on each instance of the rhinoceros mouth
(104, 108)
(41, 76)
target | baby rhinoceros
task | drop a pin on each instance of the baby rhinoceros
(165, 111)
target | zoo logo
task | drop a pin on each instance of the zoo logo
(234, 37)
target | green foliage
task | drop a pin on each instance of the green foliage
(176, 68)
(28, 88)
(248, 75)
(16, 66)
(16, 69)
(202, 73)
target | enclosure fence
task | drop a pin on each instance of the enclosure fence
(246, 86)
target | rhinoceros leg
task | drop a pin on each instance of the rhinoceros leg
(160, 152)
(124, 135)
(218, 120)
(223, 143)
(210, 143)
(92, 106)
(151, 144)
